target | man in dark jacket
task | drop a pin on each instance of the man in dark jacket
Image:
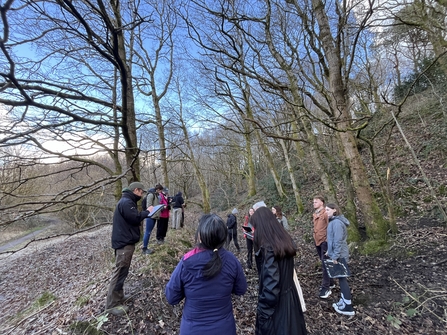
(177, 206)
(232, 230)
(125, 233)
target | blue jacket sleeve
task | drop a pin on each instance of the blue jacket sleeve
(240, 285)
(335, 240)
(269, 291)
(174, 289)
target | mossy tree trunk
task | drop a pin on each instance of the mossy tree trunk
(376, 225)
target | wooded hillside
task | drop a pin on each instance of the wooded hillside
(224, 101)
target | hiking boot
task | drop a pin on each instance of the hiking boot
(147, 251)
(119, 310)
(346, 310)
(324, 293)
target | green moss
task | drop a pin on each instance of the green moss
(442, 190)
(411, 190)
(374, 247)
(82, 301)
(353, 234)
(44, 299)
(84, 328)
(186, 243)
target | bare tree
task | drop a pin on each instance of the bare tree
(75, 87)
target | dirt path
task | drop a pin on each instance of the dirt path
(11, 244)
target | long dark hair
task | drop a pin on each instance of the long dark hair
(278, 211)
(271, 233)
(211, 235)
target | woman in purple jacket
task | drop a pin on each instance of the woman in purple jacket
(206, 277)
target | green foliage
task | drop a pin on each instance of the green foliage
(268, 187)
(87, 328)
(411, 312)
(442, 190)
(395, 322)
(223, 197)
(82, 300)
(406, 308)
(374, 247)
(427, 76)
(186, 243)
(353, 234)
(44, 299)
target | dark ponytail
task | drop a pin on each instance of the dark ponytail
(212, 233)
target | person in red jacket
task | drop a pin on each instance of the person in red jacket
(162, 225)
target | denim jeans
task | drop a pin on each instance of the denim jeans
(321, 250)
(150, 224)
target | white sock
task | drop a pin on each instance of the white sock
(346, 301)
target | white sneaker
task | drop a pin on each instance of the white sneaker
(340, 304)
(347, 310)
(325, 293)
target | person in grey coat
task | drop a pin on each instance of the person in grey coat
(337, 249)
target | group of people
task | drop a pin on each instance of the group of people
(330, 235)
(208, 275)
(160, 196)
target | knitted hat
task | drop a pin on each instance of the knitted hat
(259, 204)
(235, 211)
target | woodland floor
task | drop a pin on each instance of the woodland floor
(51, 285)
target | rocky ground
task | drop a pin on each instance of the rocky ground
(59, 286)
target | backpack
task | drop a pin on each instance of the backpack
(152, 191)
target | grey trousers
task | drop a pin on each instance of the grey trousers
(123, 256)
(176, 218)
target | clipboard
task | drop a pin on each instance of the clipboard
(338, 270)
(155, 210)
(248, 231)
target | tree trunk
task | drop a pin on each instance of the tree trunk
(296, 191)
(251, 178)
(161, 135)
(376, 226)
(127, 98)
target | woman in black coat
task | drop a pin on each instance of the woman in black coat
(279, 310)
